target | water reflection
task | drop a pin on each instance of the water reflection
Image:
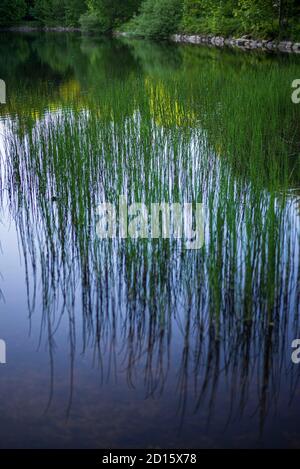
(96, 120)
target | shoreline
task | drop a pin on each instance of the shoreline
(244, 43)
(30, 29)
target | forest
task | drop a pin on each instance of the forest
(160, 18)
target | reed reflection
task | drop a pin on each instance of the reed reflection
(224, 314)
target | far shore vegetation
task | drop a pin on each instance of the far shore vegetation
(158, 19)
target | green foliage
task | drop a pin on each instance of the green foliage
(73, 11)
(50, 12)
(12, 11)
(92, 22)
(265, 18)
(58, 12)
(258, 17)
(210, 16)
(158, 18)
(112, 13)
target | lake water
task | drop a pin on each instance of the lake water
(143, 343)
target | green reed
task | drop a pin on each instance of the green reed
(201, 126)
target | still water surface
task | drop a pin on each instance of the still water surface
(143, 343)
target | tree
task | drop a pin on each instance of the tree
(73, 10)
(59, 12)
(12, 11)
(50, 12)
(262, 18)
(158, 19)
(112, 13)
